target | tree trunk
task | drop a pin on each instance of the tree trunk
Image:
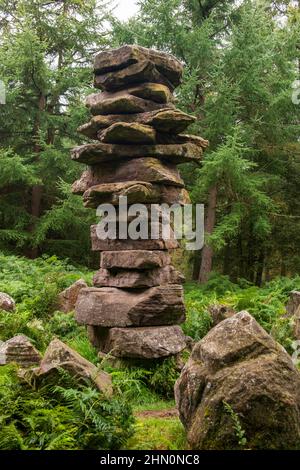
(210, 221)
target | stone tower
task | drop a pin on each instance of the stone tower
(136, 304)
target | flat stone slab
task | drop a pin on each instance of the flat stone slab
(140, 343)
(134, 259)
(111, 307)
(136, 279)
(136, 192)
(120, 245)
(152, 91)
(128, 133)
(170, 121)
(149, 170)
(125, 56)
(91, 154)
(19, 350)
(120, 102)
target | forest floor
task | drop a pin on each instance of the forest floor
(146, 388)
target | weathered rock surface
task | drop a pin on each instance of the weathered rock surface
(67, 299)
(99, 244)
(136, 192)
(293, 303)
(20, 351)
(126, 279)
(237, 362)
(7, 302)
(59, 355)
(140, 343)
(110, 307)
(141, 72)
(92, 154)
(149, 170)
(171, 121)
(128, 133)
(125, 56)
(121, 102)
(134, 259)
(220, 312)
(293, 309)
(152, 91)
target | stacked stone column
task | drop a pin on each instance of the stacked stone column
(136, 305)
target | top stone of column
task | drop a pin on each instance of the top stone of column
(117, 68)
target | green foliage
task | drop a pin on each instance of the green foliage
(239, 431)
(64, 416)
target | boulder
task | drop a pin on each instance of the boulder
(67, 299)
(139, 343)
(149, 170)
(129, 279)
(168, 120)
(7, 302)
(220, 312)
(238, 363)
(125, 56)
(136, 192)
(128, 133)
(19, 350)
(134, 259)
(99, 244)
(91, 154)
(111, 307)
(60, 356)
(120, 102)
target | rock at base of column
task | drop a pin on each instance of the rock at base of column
(139, 343)
(112, 307)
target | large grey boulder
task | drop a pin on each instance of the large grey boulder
(59, 355)
(7, 302)
(19, 350)
(112, 307)
(238, 363)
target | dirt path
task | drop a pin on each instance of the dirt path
(170, 413)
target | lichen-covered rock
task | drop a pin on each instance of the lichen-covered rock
(60, 356)
(121, 102)
(139, 343)
(136, 192)
(293, 310)
(19, 350)
(136, 279)
(111, 307)
(67, 299)
(238, 363)
(220, 312)
(170, 121)
(128, 133)
(7, 302)
(134, 259)
(91, 154)
(128, 55)
(149, 170)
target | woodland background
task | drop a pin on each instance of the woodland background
(241, 60)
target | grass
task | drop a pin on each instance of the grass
(152, 433)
